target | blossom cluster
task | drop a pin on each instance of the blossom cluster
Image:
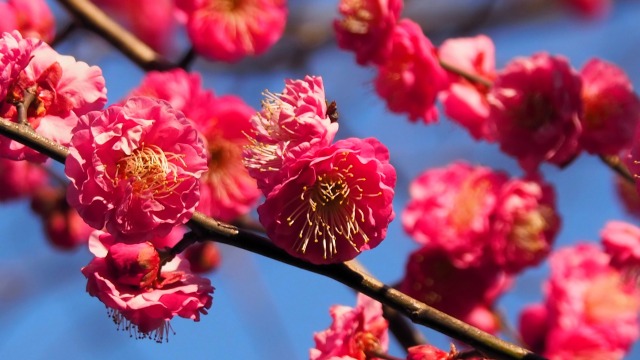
(591, 307)
(325, 202)
(218, 30)
(538, 109)
(475, 226)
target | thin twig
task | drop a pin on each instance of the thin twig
(92, 18)
(64, 33)
(188, 59)
(465, 74)
(616, 165)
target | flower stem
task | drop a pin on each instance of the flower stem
(465, 74)
(616, 165)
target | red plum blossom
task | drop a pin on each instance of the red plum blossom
(365, 28)
(536, 104)
(411, 77)
(135, 168)
(32, 18)
(353, 332)
(231, 30)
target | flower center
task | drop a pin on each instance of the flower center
(150, 171)
(328, 211)
(467, 203)
(358, 18)
(535, 111)
(528, 227)
(362, 344)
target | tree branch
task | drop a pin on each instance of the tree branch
(345, 273)
(92, 18)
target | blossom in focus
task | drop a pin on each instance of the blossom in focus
(621, 240)
(525, 224)
(19, 179)
(411, 77)
(15, 54)
(290, 124)
(227, 191)
(451, 208)
(229, 30)
(142, 296)
(590, 310)
(365, 28)
(62, 88)
(32, 18)
(536, 104)
(63, 227)
(135, 168)
(353, 332)
(464, 293)
(338, 203)
(611, 109)
(156, 27)
(465, 102)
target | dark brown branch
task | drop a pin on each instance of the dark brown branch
(346, 273)
(92, 18)
(467, 75)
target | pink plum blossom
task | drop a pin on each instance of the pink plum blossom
(290, 124)
(32, 18)
(611, 109)
(353, 332)
(135, 168)
(63, 89)
(142, 296)
(451, 208)
(63, 227)
(466, 102)
(428, 352)
(621, 241)
(365, 28)
(15, 54)
(536, 105)
(231, 30)
(411, 77)
(590, 311)
(19, 179)
(227, 191)
(467, 293)
(338, 203)
(525, 224)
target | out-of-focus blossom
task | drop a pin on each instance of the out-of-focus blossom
(611, 109)
(621, 241)
(231, 30)
(32, 18)
(141, 297)
(353, 332)
(19, 179)
(451, 208)
(428, 352)
(590, 311)
(411, 77)
(63, 227)
(153, 21)
(203, 257)
(338, 203)
(135, 168)
(62, 88)
(590, 8)
(465, 293)
(290, 124)
(365, 28)
(465, 102)
(536, 105)
(227, 191)
(524, 225)
(628, 195)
